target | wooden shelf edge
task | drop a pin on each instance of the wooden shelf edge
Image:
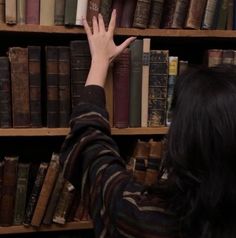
(68, 226)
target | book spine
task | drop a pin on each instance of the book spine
(209, 15)
(127, 16)
(230, 15)
(20, 86)
(1, 180)
(2, 11)
(105, 10)
(227, 56)
(5, 93)
(20, 11)
(183, 66)
(10, 12)
(168, 13)
(47, 10)
(34, 54)
(59, 14)
(221, 20)
(214, 57)
(32, 11)
(81, 11)
(70, 12)
(92, 10)
(118, 5)
(156, 13)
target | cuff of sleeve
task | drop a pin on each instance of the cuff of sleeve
(94, 94)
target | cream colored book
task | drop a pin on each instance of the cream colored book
(81, 12)
(47, 11)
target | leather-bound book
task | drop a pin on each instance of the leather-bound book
(7, 202)
(34, 55)
(81, 12)
(142, 13)
(195, 14)
(2, 11)
(52, 86)
(227, 56)
(46, 190)
(183, 66)
(10, 12)
(47, 11)
(121, 89)
(155, 13)
(210, 14)
(153, 162)
(105, 10)
(5, 93)
(174, 13)
(32, 11)
(127, 16)
(20, 11)
(80, 63)
(34, 195)
(21, 192)
(70, 12)
(230, 15)
(20, 86)
(59, 14)
(136, 49)
(92, 10)
(214, 57)
(140, 155)
(118, 5)
(158, 79)
(64, 85)
(221, 19)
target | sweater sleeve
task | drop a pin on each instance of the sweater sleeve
(92, 163)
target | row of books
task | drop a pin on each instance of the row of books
(194, 14)
(35, 194)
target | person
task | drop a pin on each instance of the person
(198, 198)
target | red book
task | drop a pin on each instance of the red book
(32, 11)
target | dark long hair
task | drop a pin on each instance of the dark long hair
(201, 155)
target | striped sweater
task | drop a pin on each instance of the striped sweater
(117, 204)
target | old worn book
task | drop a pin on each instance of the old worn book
(5, 93)
(34, 195)
(158, 79)
(35, 78)
(52, 86)
(59, 14)
(142, 12)
(105, 10)
(118, 5)
(70, 12)
(32, 11)
(80, 63)
(145, 81)
(210, 14)
(92, 10)
(155, 13)
(195, 14)
(183, 66)
(46, 190)
(64, 85)
(47, 10)
(21, 192)
(10, 12)
(227, 56)
(136, 51)
(2, 11)
(18, 57)
(221, 19)
(121, 89)
(81, 11)
(20, 11)
(214, 57)
(127, 16)
(8, 190)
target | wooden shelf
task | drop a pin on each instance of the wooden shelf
(22, 229)
(64, 131)
(186, 33)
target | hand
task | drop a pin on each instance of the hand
(101, 43)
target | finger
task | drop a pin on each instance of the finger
(112, 23)
(126, 43)
(101, 23)
(86, 27)
(95, 25)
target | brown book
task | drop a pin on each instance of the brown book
(121, 89)
(47, 187)
(59, 14)
(20, 86)
(64, 85)
(7, 202)
(34, 57)
(155, 13)
(47, 10)
(32, 11)
(2, 11)
(127, 16)
(153, 162)
(158, 79)
(92, 10)
(5, 93)
(20, 11)
(10, 12)
(141, 14)
(118, 5)
(214, 57)
(105, 10)
(227, 56)
(210, 14)
(80, 63)
(195, 14)
(52, 86)
(183, 66)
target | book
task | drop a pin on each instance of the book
(121, 89)
(2, 11)
(118, 5)
(183, 66)
(1, 179)
(155, 13)
(127, 15)
(47, 187)
(81, 11)
(21, 192)
(59, 14)
(145, 81)
(32, 12)
(5, 93)
(141, 14)
(157, 95)
(47, 10)
(7, 202)
(230, 15)
(136, 52)
(227, 56)
(10, 12)
(92, 10)
(20, 11)
(105, 10)
(221, 19)
(18, 57)
(70, 12)
(214, 57)
(35, 78)
(210, 14)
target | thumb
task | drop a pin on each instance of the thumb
(125, 44)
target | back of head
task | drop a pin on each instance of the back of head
(201, 154)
